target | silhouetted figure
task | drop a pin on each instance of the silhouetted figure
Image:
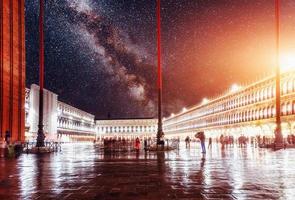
(210, 143)
(145, 145)
(187, 142)
(201, 137)
(231, 141)
(221, 139)
(258, 139)
(137, 144)
(7, 137)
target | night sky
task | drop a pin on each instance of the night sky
(100, 55)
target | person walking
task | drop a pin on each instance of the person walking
(201, 137)
(210, 143)
(221, 140)
(187, 142)
(137, 144)
(145, 144)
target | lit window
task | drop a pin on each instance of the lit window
(257, 114)
(265, 93)
(273, 111)
(290, 85)
(289, 109)
(265, 112)
(284, 109)
(285, 88)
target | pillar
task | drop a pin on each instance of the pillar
(12, 69)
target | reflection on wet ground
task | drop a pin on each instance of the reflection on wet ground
(82, 172)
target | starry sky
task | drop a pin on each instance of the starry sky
(100, 55)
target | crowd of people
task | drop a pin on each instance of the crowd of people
(130, 144)
(241, 141)
(224, 141)
(125, 144)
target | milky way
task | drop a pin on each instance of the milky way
(124, 74)
(101, 55)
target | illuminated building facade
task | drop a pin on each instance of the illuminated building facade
(62, 122)
(50, 112)
(66, 123)
(74, 124)
(127, 128)
(248, 110)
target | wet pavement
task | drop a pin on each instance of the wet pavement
(82, 172)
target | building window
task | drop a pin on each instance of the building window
(290, 86)
(265, 113)
(257, 115)
(284, 109)
(273, 111)
(289, 108)
(261, 114)
(285, 87)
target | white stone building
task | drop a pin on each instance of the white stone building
(62, 122)
(128, 128)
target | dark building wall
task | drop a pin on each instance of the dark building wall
(12, 68)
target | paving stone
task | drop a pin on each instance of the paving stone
(79, 172)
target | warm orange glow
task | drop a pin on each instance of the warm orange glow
(287, 61)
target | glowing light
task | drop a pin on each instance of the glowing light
(172, 115)
(235, 87)
(205, 101)
(184, 109)
(287, 61)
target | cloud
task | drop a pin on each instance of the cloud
(137, 92)
(81, 6)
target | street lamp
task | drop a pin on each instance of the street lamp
(160, 133)
(205, 101)
(41, 136)
(278, 130)
(234, 88)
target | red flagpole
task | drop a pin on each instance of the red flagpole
(159, 44)
(160, 133)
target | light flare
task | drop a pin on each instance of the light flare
(235, 87)
(287, 61)
(205, 101)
